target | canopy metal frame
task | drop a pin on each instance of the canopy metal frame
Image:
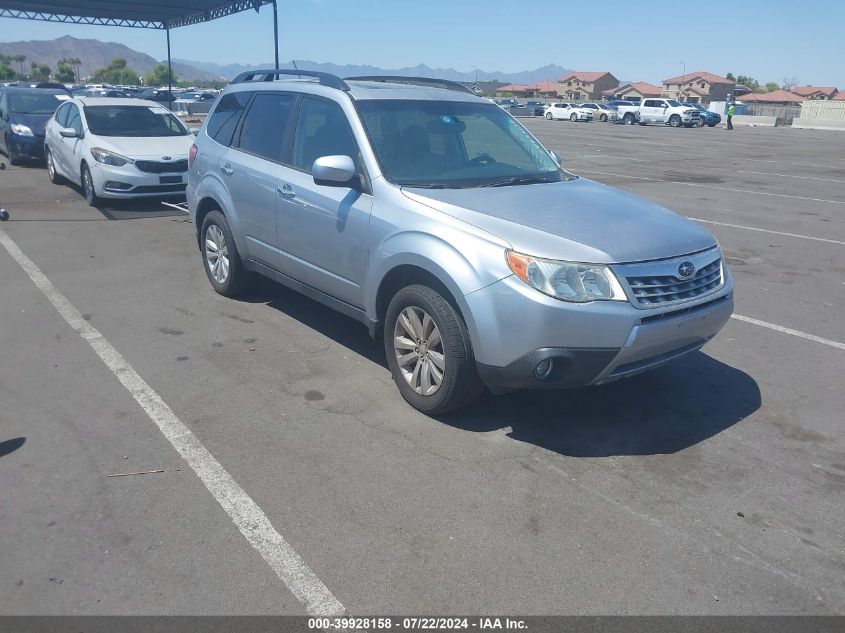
(148, 14)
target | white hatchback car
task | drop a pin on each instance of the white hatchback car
(117, 148)
(567, 111)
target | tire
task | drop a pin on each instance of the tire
(548, 116)
(688, 124)
(88, 186)
(701, 123)
(628, 119)
(603, 118)
(416, 378)
(675, 120)
(228, 277)
(52, 174)
(711, 125)
(573, 117)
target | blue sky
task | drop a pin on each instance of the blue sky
(766, 39)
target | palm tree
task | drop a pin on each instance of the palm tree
(20, 59)
(77, 64)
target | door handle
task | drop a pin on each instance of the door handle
(227, 169)
(287, 191)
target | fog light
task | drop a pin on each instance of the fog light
(112, 184)
(543, 369)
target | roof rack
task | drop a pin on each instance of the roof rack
(269, 74)
(416, 81)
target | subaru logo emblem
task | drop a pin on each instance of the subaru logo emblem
(166, 157)
(686, 270)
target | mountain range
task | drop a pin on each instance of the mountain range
(96, 54)
(550, 72)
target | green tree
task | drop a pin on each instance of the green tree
(748, 82)
(6, 70)
(117, 72)
(730, 76)
(772, 86)
(64, 72)
(39, 72)
(158, 76)
(19, 60)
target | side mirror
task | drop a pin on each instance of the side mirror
(69, 132)
(194, 130)
(334, 171)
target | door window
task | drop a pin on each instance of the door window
(73, 120)
(223, 121)
(321, 130)
(265, 123)
(61, 115)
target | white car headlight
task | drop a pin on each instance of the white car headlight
(21, 129)
(568, 281)
(109, 158)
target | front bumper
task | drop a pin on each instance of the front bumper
(130, 182)
(589, 344)
(25, 147)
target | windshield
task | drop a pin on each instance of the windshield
(119, 120)
(453, 144)
(673, 103)
(34, 102)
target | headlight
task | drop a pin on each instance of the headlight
(568, 281)
(109, 158)
(21, 130)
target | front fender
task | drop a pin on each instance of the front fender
(461, 271)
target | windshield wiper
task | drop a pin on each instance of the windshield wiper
(517, 180)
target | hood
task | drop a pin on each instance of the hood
(35, 122)
(576, 220)
(151, 147)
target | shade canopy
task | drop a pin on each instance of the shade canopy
(149, 14)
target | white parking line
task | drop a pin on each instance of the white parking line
(752, 228)
(695, 184)
(244, 512)
(768, 173)
(787, 330)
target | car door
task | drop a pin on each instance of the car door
(4, 113)
(323, 230)
(52, 136)
(660, 114)
(69, 150)
(251, 169)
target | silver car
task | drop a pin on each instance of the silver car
(433, 217)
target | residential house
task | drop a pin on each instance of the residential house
(699, 87)
(634, 91)
(585, 86)
(839, 96)
(542, 89)
(776, 97)
(812, 93)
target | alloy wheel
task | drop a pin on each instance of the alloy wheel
(419, 350)
(217, 254)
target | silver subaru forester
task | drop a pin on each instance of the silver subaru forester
(432, 216)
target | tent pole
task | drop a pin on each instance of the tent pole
(169, 74)
(276, 32)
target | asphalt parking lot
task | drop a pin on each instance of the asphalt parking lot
(711, 486)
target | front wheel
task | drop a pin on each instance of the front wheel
(52, 174)
(711, 125)
(603, 118)
(675, 120)
(548, 116)
(429, 352)
(220, 255)
(628, 119)
(573, 117)
(88, 187)
(701, 122)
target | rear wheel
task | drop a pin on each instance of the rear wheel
(675, 120)
(429, 352)
(223, 265)
(88, 186)
(701, 123)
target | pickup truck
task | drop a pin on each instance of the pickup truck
(662, 111)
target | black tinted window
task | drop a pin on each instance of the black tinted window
(61, 115)
(73, 119)
(263, 129)
(321, 130)
(224, 119)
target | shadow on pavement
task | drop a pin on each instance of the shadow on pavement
(659, 412)
(10, 446)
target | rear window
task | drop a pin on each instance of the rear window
(223, 121)
(34, 102)
(263, 129)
